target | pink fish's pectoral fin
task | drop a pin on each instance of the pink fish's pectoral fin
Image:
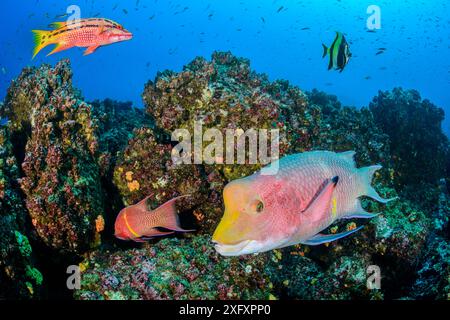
(324, 238)
(90, 50)
(320, 203)
(362, 215)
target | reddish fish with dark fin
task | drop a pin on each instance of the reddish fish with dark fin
(137, 223)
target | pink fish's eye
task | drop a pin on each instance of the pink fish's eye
(257, 206)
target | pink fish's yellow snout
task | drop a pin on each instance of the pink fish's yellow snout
(235, 225)
(227, 231)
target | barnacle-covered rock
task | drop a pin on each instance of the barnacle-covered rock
(61, 178)
(416, 138)
(19, 276)
(172, 269)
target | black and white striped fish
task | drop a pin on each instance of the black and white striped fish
(339, 53)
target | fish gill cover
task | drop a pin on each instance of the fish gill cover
(69, 165)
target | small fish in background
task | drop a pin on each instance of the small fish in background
(91, 33)
(339, 53)
(380, 51)
(310, 191)
(279, 9)
(139, 224)
(60, 16)
(4, 71)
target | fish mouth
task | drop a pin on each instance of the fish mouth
(123, 36)
(126, 37)
(248, 246)
(243, 247)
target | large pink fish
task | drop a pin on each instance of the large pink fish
(310, 191)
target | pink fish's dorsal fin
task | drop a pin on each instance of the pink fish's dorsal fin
(167, 216)
(349, 156)
(319, 204)
(142, 204)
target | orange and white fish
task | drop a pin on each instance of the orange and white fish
(310, 191)
(90, 33)
(137, 223)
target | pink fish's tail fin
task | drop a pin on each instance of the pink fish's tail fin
(365, 188)
(167, 215)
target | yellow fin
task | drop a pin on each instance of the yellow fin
(41, 40)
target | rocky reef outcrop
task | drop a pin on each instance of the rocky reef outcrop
(414, 129)
(18, 273)
(79, 163)
(173, 269)
(60, 173)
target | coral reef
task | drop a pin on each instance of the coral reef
(61, 175)
(146, 169)
(172, 269)
(346, 128)
(18, 274)
(433, 279)
(67, 168)
(414, 129)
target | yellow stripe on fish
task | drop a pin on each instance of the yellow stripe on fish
(134, 233)
(333, 208)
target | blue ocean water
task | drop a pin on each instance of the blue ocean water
(281, 38)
